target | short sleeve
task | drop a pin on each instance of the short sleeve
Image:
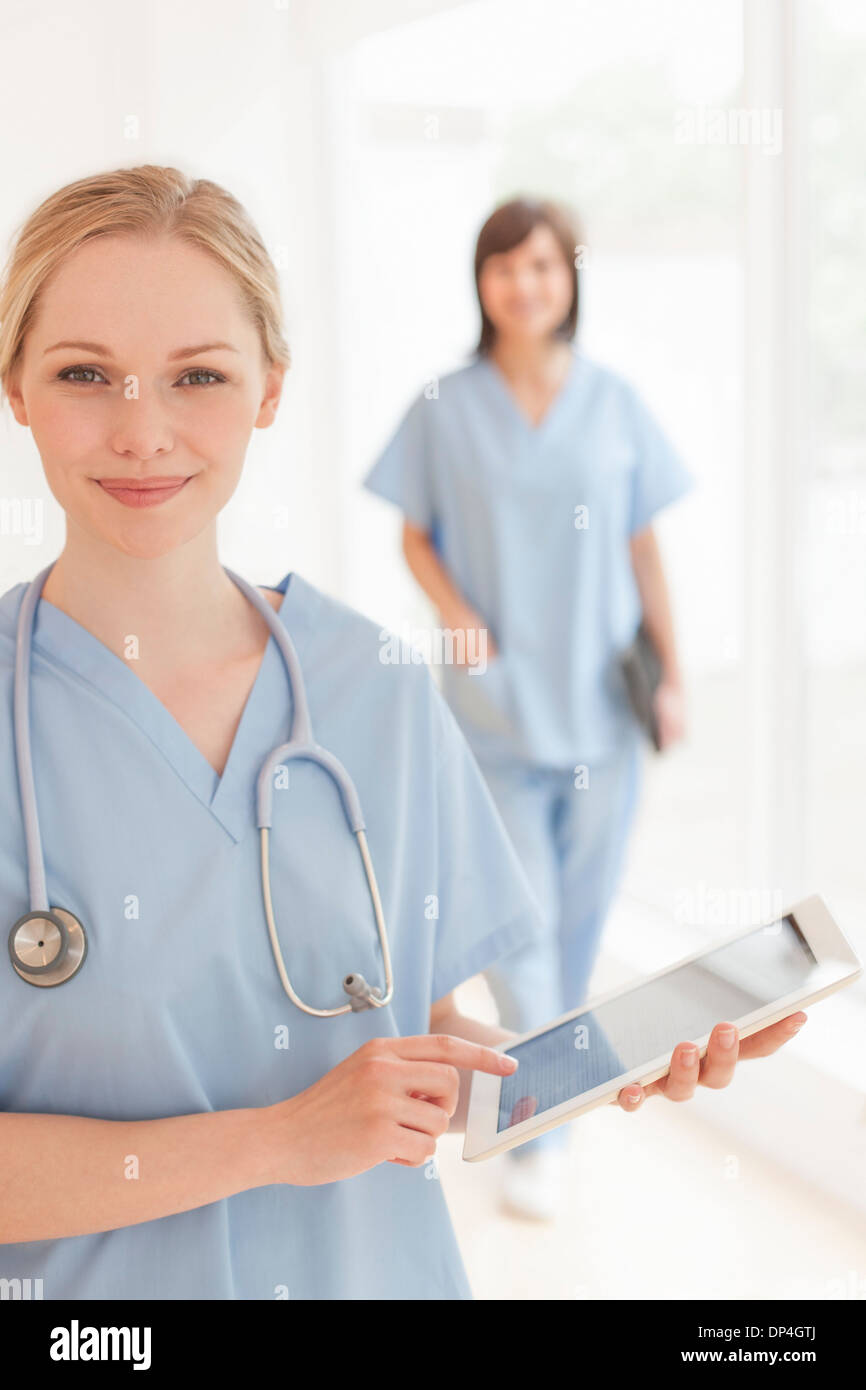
(486, 906)
(660, 476)
(403, 471)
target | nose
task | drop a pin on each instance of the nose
(525, 282)
(141, 426)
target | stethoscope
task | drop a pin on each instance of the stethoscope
(48, 945)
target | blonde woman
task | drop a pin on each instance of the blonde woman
(200, 1131)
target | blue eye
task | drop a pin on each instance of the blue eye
(66, 374)
(204, 371)
(77, 377)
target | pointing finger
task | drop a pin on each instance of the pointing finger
(457, 1052)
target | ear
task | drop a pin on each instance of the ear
(271, 397)
(15, 398)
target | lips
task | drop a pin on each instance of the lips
(142, 492)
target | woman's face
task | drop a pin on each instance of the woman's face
(526, 292)
(142, 364)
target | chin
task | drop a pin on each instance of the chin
(148, 542)
(144, 551)
(530, 326)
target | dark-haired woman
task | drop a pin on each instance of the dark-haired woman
(528, 480)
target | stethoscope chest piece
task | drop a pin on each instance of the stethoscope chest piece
(47, 948)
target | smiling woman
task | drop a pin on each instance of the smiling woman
(141, 342)
(201, 1126)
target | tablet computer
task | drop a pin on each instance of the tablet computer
(584, 1058)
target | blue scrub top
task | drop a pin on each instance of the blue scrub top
(533, 525)
(178, 1007)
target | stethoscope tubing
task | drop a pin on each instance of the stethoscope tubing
(300, 746)
(24, 761)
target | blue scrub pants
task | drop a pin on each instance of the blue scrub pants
(571, 842)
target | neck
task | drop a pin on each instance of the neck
(544, 359)
(182, 608)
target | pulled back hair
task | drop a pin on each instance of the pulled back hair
(150, 200)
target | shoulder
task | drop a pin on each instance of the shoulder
(451, 387)
(314, 612)
(349, 659)
(605, 380)
(370, 688)
(461, 379)
(618, 406)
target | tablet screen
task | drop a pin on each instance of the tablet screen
(648, 1021)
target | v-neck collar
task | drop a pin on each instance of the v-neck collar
(540, 431)
(230, 797)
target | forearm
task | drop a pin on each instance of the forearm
(473, 1030)
(98, 1175)
(655, 601)
(428, 570)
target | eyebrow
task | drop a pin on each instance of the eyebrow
(100, 350)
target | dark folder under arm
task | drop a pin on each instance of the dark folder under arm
(642, 669)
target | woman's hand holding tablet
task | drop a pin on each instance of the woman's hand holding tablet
(628, 1044)
(716, 1069)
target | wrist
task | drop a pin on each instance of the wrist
(454, 615)
(265, 1144)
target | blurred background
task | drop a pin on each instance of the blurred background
(714, 153)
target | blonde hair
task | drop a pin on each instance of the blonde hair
(148, 200)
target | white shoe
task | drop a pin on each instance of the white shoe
(532, 1185)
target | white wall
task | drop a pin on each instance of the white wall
(227, 92)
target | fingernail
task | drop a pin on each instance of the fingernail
(689, 1056)
(512, 1061)
(632, 1100)
(726, 1036)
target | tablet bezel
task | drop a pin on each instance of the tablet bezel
(828, 944)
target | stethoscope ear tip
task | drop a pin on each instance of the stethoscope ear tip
(360, 993)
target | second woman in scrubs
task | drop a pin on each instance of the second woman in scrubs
(528, 481)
